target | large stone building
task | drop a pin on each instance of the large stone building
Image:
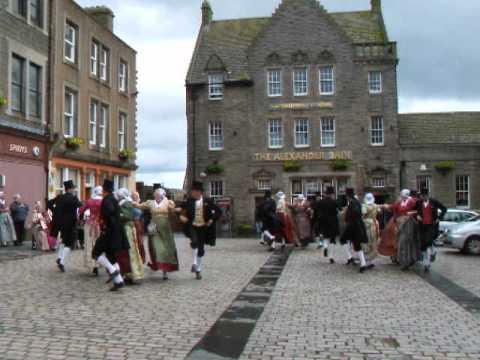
(24, 41)
(93, 99)
(307, 99)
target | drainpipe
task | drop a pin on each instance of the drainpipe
(49, 141)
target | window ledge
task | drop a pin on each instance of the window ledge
(70, 63)
(215, 149)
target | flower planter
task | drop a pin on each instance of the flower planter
(73, 143)
(214, 169)
(3, 101)
(292, 166)
(340, 165)
(125, 154)
(444, 167)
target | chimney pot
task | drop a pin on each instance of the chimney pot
(103, 15)
(207, 13)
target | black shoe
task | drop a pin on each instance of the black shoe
(362, 269)
(198, 275)
(117, 287)
(433, 257)
(332, 261)
(427, 269)
(112, 276)
(165, 277)
(60, 266)
(95, 271)
(325, 253)
(194, 269)
(350, 262)
(371, 266)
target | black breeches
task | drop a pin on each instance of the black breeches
(427, 236)
(198, 239)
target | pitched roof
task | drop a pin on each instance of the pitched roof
(230, 40)
(439, 128)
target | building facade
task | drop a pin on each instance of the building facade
(24, 114)
(93, 100)
(271, 108)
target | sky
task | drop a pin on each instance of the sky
(437, 45)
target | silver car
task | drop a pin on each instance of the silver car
(465, 237)
(452, 218)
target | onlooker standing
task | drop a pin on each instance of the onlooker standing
(7, 231)
(19, 212)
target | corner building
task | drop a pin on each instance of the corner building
(296, 102)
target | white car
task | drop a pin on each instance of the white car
(451, 220)
(465, 237)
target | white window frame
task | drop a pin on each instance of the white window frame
(215, 86)
(216, 141)
(217, 189)
(103, 125)
(377, 132)
(300, 82)
(264, 184)
(379, 182)
(94, 58)
(104, 63)
(297, 133)
(72, 116)
(275, 124)
(122, 76)
(311, 187)
(72, 43)
(426, 179)
(93, 121)
(323, 132)
(324, 80)
(464, 188)
(274, 83)
(65, 174)
(122, 138)
(375, 85)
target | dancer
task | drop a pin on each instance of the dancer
(112, 245)
(162, 246)
(328, 226)
(302, 215)
(65, 222)
(355, 228)
(370, 212)
(429, 214)
(266, 212)
(200, 216)
(90, 211)
(136, 271)
(283, 212)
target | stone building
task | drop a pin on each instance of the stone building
(24, 41)
(94, 89)
(269, 107)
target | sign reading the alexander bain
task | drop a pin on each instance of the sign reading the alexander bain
(302, 106)
(319, 155)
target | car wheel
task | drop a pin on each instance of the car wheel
(472, 246)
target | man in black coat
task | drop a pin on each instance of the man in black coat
(355, 230)
(65, 222)
(201, 215)
(327, 221)
(113, 240)
(429, 214)
(270, 223)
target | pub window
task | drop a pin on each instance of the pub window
(378, 182)
(215, 86)
(424, 182)
(93, 122)
(65, 174)
(275, 134)
(375, 82)
(94, 59)
(327, 134)
(36, 13)
(327, 80)
(122, 76)
(19, 7)
(122, 133)
(18, 84)
(300, 82)
(34, 91)
(70, 113)
(103, 125)
(463, 191)
(70, 42)
(120, 181)
(274, 82)
(302, 133)
(377, 131)
(264, 184)
(312, 187)
(215, 138)
(216, 189)
(297, 187)
(104, 63)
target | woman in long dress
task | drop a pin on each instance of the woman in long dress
(302, 215)
(138, 219)
(39, 228)
(126, 216)
(370, 212)
(90, 211)
(283, 213)
(163, 251)
(7, 229)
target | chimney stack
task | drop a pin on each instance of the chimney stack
(376, 6)
(207, 13)
(102, 15)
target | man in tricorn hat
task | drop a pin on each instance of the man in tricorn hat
(429, 214)
(200, 215)
(113, 242)
(327, 221)
(65, 222)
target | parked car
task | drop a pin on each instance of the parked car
(465, 237)
(452, 218)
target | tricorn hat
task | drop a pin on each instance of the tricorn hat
(108, 185)
(330, 190)
(197, 186)
(350, 192)
(69, 185)
(268, 194)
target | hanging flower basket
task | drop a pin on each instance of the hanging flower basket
(292, 166)
(74, 143)
(3, 101)
(444, 167)
(214, 169)
(340, 165)
(125, 154)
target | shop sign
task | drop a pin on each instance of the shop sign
(306, 156)
(16, 148)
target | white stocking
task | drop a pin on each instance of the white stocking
(426, 257)
(348, 251)
(199, 263)
(66, 252)
(60, 253)
(102, 260)
(361, 256)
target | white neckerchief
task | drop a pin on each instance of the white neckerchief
(425, 204)
(159, 204)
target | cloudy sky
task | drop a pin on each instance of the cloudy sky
(438, 48)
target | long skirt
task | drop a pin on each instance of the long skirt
(136, 264)
(373, 233)
(303, 227)
(163, 251)
(287, 230)
(40, 237)
(139, 230)
(91, 232)
(7, 229)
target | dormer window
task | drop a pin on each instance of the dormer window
(215, 86)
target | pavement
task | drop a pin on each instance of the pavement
(304, 308)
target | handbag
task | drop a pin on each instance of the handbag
(152, 228)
